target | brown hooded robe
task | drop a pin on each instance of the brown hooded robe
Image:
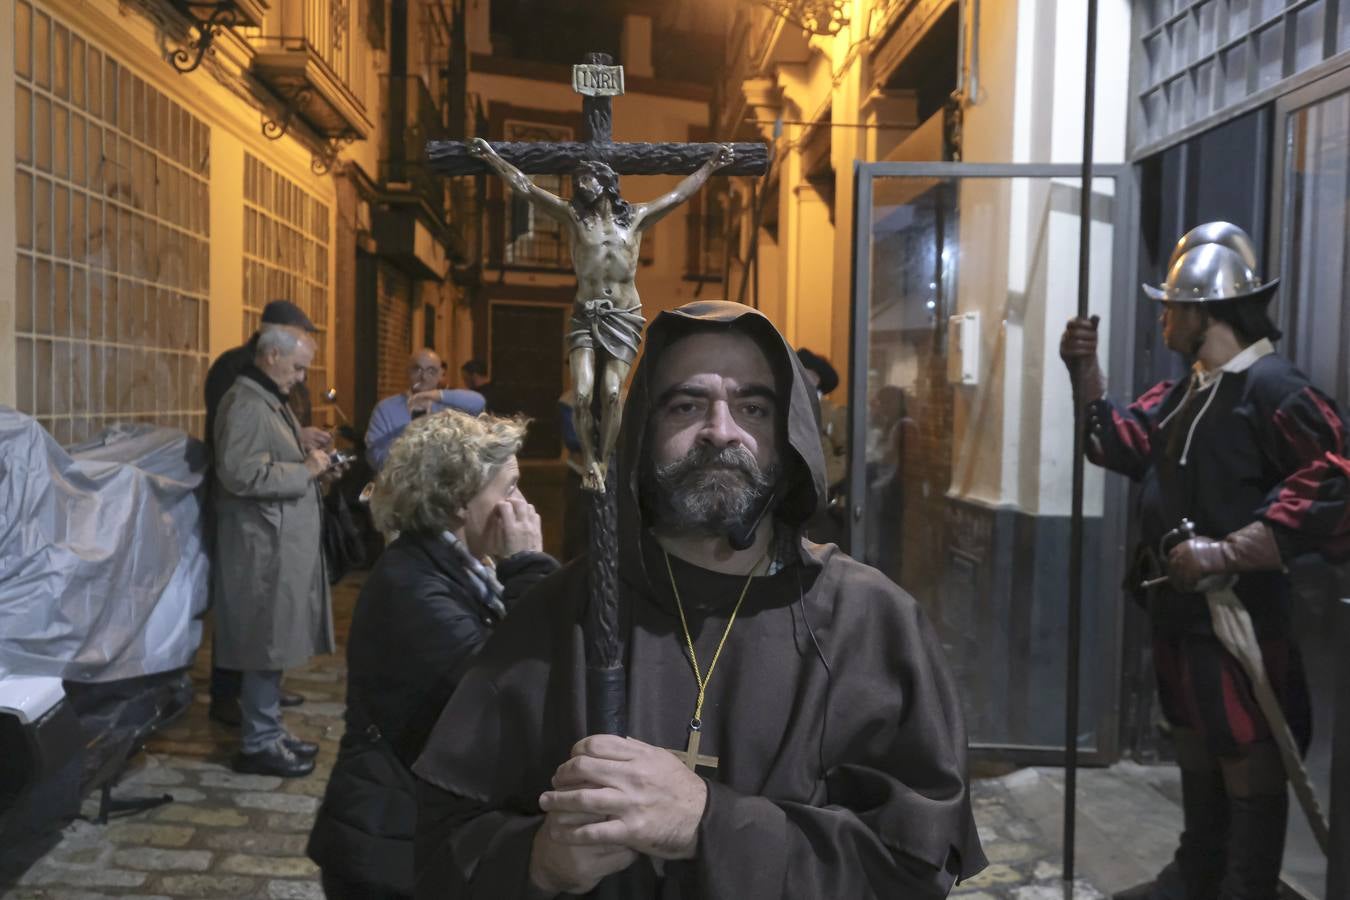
(842, 751)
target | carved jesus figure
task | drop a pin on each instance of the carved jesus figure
(605, 234)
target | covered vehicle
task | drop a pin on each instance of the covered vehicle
(103, 582)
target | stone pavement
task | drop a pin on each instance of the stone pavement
(229, 835)
(225, 835)
(1126, 830)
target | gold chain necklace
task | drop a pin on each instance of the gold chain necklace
(696, 722)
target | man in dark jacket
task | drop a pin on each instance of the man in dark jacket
(476, 378)
(427, 607)
(225, 683)
(793, 729)
(1254, 455)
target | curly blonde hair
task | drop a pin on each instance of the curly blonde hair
(437, 466)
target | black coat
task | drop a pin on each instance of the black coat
(1261, 444)
(417, 625)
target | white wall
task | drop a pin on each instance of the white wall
(1029, 109)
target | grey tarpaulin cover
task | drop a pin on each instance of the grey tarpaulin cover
(103, 572)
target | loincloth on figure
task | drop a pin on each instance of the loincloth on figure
(600, 323)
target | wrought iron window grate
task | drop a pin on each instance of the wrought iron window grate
(286, 247)
(112, 217)
(1199, 58)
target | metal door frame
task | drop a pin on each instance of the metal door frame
(1116, 497)
(1277, 247)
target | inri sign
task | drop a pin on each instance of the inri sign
(597, 81)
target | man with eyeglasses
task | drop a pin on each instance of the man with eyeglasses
(424, 395)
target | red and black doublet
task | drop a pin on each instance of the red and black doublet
(1253, 441)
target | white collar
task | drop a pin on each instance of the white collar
(1240, 363)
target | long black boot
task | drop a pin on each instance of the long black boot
(1259, 811)
(1197, 869)
(1255, 847)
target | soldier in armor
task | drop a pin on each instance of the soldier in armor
(1255, 456)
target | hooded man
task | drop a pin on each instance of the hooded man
(810, 691)
(1254, 455)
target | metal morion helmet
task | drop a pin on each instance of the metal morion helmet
(1212, 262)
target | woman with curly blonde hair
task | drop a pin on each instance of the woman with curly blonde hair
(468, 545)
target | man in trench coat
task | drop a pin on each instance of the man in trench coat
(273, 609)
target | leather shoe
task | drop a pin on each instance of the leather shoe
(291, 699)
(275, 760)
(226, 712)
(301, 748)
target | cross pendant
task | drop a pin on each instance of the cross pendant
(690, 755)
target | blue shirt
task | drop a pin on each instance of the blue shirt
(391, 416)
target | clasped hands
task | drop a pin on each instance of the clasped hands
(614, 799)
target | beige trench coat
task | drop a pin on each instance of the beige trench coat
(272, 603)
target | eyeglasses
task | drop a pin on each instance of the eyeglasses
(425, 370)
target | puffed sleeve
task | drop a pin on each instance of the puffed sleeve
(1120, 438)
(1309, 510)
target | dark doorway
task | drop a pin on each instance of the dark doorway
(1224, 174)
(526, 360)
(367, 353)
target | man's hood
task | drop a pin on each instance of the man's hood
(803, 464)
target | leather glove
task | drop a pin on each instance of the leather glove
(1078, 349)
(1251, 548)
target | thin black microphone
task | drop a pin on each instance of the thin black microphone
(742, 537)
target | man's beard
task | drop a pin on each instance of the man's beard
(710, 491)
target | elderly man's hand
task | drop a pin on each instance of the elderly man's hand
(424, 401)
(560, 863)
(312, 438)
(334, 472)
(317, 462)
(652, 802)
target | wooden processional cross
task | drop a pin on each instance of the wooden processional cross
(598, 81)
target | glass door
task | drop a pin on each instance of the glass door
(1308, 238)
(962, 431)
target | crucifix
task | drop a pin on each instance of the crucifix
(605, 233)
(690, 755)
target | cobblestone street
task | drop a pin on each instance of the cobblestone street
(224, 835)
(229, 835)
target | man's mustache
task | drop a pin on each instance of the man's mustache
(704, 457)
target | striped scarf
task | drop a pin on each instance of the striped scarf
(483, 578)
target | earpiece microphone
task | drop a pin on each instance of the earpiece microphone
(742, 537)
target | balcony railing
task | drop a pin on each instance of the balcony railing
(411, 118)
(518, 238)
(314, 56)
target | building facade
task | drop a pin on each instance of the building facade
(173, 176)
